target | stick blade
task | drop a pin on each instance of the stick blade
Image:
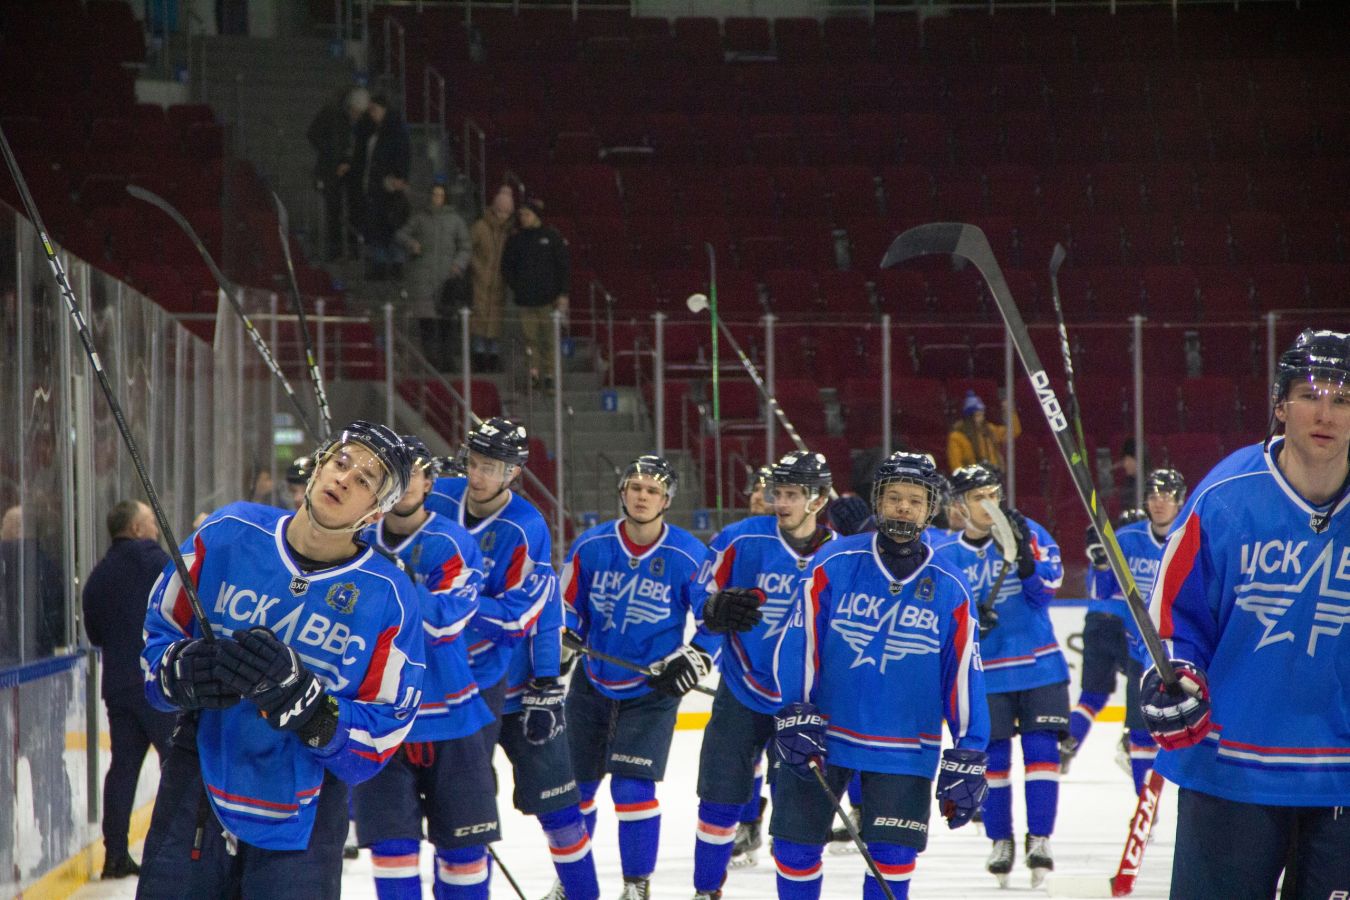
(923, 240)
(1057, 257)
(1080, 886)
(283, 220)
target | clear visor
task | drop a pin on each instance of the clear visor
(362, 466)
(774, 493)
(975, 496)
(476, 465)
(650, 478)
(1315, 385)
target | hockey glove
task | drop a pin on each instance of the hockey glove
(572, 644)
(849, 515)
(680, 672)
(799, 738)
(988, 619)
(733, 609)
(187, 676)
(1026, 556)
(961, 785)
(542, 711)
(1181, 719)
(1096, 550)
(287, 694)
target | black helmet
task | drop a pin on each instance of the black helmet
(967, 478)
(802, 467)
(652, 466)
(1166, 481)
(388, 448)
(452, 466)
(1315, 354)
(1129, 517)
(298, 472)
(906, 468)
(500, 439)
(759, 479)
(423, 458)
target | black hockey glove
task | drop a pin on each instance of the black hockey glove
(988, 619)
(733, 609)
(542, 711)
(680, 672)
(1096, 550)
(1026, 556)
(187, 676)
(287, 694)
(849, 515)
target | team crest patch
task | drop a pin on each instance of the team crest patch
(299, 586)
(416, 560)
(342, 597)
(658, 567)
(925, 590)
(487, 541)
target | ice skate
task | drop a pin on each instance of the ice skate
(1068, 749)
(749, 838)
(840, 840)
(557, 892)
(1123, 754)
(1000, 861)
(1039, 859)
(708, 895)
(636, 889)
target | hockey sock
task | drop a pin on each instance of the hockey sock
(639, 815)
(396, 871)
(896, 864)
(570, 844)
(750, 812)
(1090, 703)
(798, 869)
(855, 790)
(1143, 751)
(998, 802)
(1040, 753)
(463, 873)
(588, 789)
(715, 839)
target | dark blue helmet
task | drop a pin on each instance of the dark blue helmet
(967, 478)
(1324, 355)
(804, 468)
(1128, 517)
(500, 439)
(652, 466)
(1166, 481)
(388, 448)
(423, 458)
(906, 468)
(759, 480)
(299, 470)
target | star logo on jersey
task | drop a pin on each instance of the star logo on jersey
(299, 586)
(342, 597)
(899, 632)
(1276, 579)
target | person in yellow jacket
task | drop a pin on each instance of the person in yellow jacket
(976, 440)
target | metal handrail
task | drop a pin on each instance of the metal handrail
(473, 130)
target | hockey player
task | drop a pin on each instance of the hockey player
(1026, 676)
(630, 586)
(312, 681)
(944, 530)
(443, 771)
(512, 606)
(889, 650)
(751, 582)
(1111, 642)
(1251, 603)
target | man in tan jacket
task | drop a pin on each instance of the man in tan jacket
(488, 237)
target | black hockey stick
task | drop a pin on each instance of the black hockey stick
(505, 871)
(649, 671)
(969, 243)
(95, 362)
(1057, 260)
(851, 829)
(315, 375)
(228, 288)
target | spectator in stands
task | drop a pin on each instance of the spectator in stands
(1125, 472)
(114, 612)
(261, 485)
(31, 582)
(333, 138)
(974, 439)
(387, 161)
(437, 242)
(537, 267)
(489, 237)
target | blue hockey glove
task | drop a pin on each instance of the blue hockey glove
(680, 672)
(1096, 550)
(849, 515)
(542, 711)
(961, 786)
(799, 738)
(1026, 556)
(271, 674)
(1181, 719)
(187, 676)
(733, 609)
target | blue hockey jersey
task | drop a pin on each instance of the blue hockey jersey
(540, 654)
(1254, 588)
(886, 660)
(515, 543)
(447, 568)
(937, 537)
(356, 626)
(1143, 552)
(752, 554)
(1021, 653)
(633, 607)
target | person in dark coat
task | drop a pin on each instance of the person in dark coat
(115, 598)
(332, 136)
(537, 267)
(387, 160)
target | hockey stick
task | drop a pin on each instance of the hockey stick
(1007, 545)
(697, 303)
(1057, 260)
(505, 871)
(96, 363)
(315, 375)
(1122, 883)
(969, 243)
(851, 829)
(228, 288)
(649, 671)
